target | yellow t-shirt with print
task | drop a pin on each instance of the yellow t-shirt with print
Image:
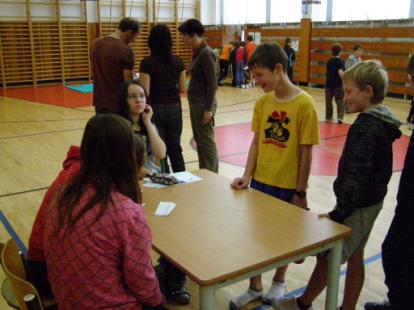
(282, 126)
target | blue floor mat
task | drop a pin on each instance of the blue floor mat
(83, 88)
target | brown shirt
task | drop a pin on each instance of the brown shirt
(110, 57)
(203, 82)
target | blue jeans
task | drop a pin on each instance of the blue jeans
(280, 193)
(239, 73)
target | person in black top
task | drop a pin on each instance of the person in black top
(398, 246)
(236, 45)
(162, 75)
(335, 68)
(410, 117)
(290, 53)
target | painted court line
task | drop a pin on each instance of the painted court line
(13, 233)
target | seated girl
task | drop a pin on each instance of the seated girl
(133, 105)
(97, 240)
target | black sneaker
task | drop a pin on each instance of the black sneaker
(180, 296)
(385, 305)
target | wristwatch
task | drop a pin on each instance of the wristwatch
(301, 194)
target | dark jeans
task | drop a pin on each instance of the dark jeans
(37, 275)
(104, 110)
(410, 117)
(233, 70)
(281, 193)
(169, 122)
(398, 246)
(169, 277)
(224, 69)
(338, 93)
(289, 71)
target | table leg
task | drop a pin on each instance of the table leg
(207, 297)
(334, 266)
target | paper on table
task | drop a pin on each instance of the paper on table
(186, 177)
(164, 208)
(153, 185)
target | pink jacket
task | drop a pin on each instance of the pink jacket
(103, 265)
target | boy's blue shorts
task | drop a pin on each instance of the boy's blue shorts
(281, 193)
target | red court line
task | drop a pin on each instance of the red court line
(233, 142)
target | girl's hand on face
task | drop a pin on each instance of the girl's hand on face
(147, 114)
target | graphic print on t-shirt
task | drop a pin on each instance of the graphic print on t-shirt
(277, 134)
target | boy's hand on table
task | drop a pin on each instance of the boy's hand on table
(240, 183)
(301, 202)
(324, 215)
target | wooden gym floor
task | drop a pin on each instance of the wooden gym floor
(34, 138)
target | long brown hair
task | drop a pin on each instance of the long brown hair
(108, 165)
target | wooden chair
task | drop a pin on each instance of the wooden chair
(6, 289)
(15, 272)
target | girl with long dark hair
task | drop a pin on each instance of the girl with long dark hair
(97, 240)
(162, 75)
(133, 106)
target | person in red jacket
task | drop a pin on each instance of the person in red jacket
(36, 258)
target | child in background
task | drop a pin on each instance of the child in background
(335, 68)
(355, 57)
(241, 59)
(364, 170)
(290, 53)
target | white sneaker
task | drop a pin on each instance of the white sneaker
(285, 303)
(249, 296)
(277, 290)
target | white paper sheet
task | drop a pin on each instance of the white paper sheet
(164, 208)
(186, 177)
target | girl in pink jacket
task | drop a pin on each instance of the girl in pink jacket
(97, 239)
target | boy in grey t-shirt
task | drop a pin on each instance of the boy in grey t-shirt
(355, 57)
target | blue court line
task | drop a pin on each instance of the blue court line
(13, 233)
(300, 291)
(367, 261)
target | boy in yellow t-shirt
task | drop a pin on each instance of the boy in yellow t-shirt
(285, 127)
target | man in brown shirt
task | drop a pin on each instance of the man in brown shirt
(112, 63)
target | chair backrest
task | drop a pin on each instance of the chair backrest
(15, 272)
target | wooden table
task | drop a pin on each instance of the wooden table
(219, 236)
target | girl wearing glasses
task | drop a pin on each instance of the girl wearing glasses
(133, 105)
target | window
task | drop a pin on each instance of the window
(369, 9)
(244, 12)
(286, 11)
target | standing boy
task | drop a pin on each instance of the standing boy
(285, 127)
(364, 170)
(335, 68)
(355, 57)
